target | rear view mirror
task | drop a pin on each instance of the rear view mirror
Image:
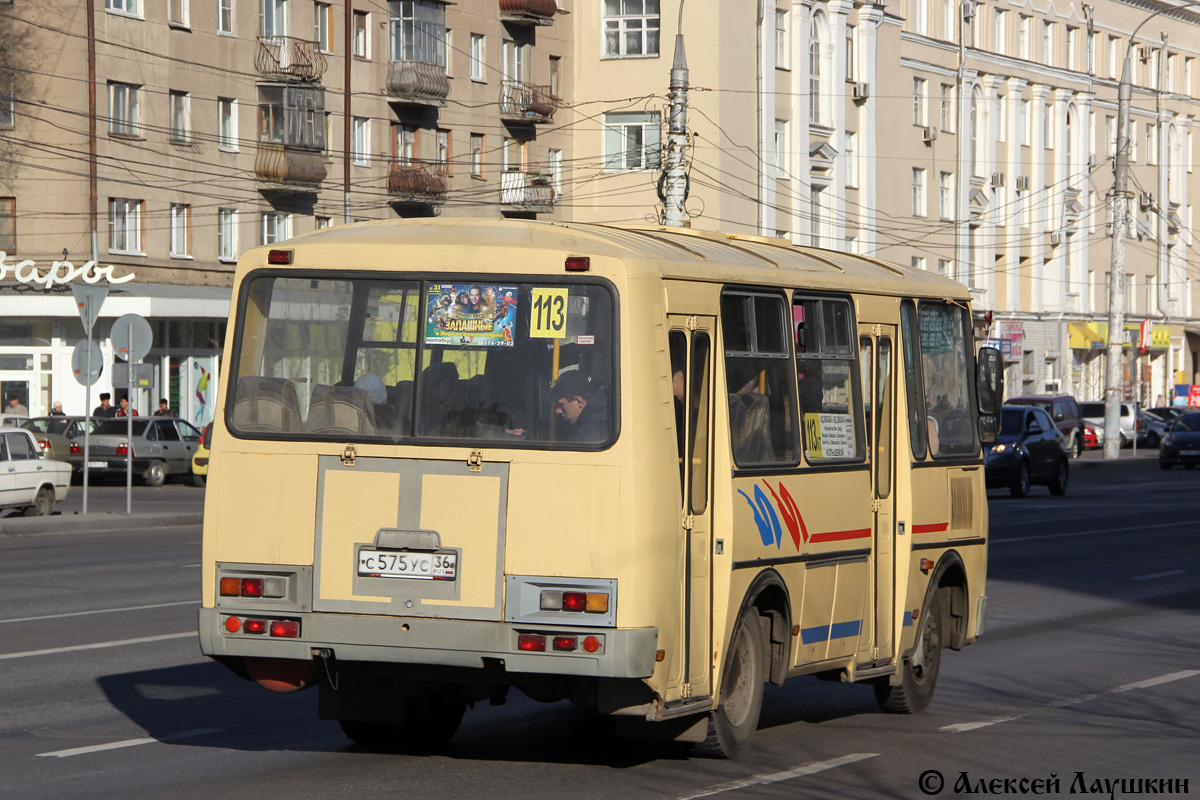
(989, 381)
(988, 429)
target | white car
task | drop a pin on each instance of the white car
(29, 480)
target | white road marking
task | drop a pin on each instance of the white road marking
(99, 611)
(775, 777)
(1159, 575)
(962, 727)
(96, 748)
(994, 541)
(188, 566)
(97, 646)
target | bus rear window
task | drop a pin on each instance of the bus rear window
(399, 359)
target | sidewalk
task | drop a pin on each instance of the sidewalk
(95, 522)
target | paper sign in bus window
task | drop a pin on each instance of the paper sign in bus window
(480, 315)
(548, 315)
(829, 435)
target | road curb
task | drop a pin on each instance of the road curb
(91, 523)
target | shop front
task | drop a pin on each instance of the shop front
(1146, 375)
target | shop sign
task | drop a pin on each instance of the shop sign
(59, 273)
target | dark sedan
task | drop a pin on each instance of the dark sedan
(1181, 445)
(1028, 451)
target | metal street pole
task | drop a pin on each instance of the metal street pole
(675, 175)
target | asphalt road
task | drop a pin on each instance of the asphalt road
(1089, 665)
(108, 497)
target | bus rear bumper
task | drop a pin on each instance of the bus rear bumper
(621, 653)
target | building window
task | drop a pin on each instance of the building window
(181, 230)
(323, 26)
(272, 17)
(275, 226)
(124, 225)
(405, 144)
(177, 12)
(555, 73)
(918, 192)
(919, 114)
(1114, 57)
(816, 200)
(361, 148)
(1187, 157)
(975, 156)
(417, 31)
(783, 49)
(1172, 69)
(225, 16)
(1025, 123)
(630, 28)
(512, 155)
(1048, 126)
(441, 155)
(181, 117)
(921, 11)
(321, 223)
(8, 224)
(1151, 143)
(227, 124)
(632, 141)
(1001, 119)
(946, 195)
(947, 108)
(1001, 31)
(850, 153)
(514, 61)
(917, 262)
(815, 89)
(945, 269)
(131, 7)
(555, 157)
(7, 104)
(362, 41)
(477, 157)
(123, 109)
(1072, 42)
(477, 56)
(851, 68)
(227, 234)
(292, 116)
(782, 162)
(1189, 69)
(1023, 33)
(1048, 43)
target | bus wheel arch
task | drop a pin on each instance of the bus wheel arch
(768, 594)
(949, 578)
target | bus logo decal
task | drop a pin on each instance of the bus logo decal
(771, 532)
(764, 517)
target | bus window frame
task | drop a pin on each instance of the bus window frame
(946, 459)
(861, 446)
(241, 335)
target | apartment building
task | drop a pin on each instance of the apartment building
(215, 126)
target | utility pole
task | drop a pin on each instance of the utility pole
(1114, 368)
(675, 174)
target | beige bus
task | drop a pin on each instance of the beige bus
(644, 469)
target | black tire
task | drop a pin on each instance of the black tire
(919, 670)
(1075, 446)
(43, 503)
(431, 720)
(732, 724)
(1058, 486)
(1020, 485)
(369, 734)
(155, 474)
(197, 480)
(1152, 439)
(1164, 465)
(1189, 466)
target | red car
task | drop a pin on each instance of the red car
(1090, 440)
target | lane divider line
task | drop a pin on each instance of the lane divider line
(98, 611)
(992, 541)
(776, 777)
(97, 646)
(97, 748)
(963, 727)
(1159, 575)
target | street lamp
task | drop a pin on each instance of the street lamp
(1116, 276)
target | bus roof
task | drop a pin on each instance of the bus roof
(676, 253)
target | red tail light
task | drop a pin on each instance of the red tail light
(252, 587)
(44, 444)
(255, 626)
(123, 449)
(574, 601)
(535, 642)
(76, 450)
(285, 628)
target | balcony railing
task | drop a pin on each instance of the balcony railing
(530, 191)
(289, 167)
(528, 12)
(289, 58)
(417, 82)
(418, 183)
(525, 102)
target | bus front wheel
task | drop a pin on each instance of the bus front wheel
(732, 724)
(919, 671)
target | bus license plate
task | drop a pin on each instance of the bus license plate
(418, 566)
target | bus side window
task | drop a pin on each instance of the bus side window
(677, 346)
(921, 432)
(948, 384)
(828, 384)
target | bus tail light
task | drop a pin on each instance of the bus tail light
(255, 626)
(532, 642)
(231, 587)
(591, 644)
(559, 600)
(567, 643)
(578, 263)
(252, 587)
(285, 628)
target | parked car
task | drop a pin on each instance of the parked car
(12, 420)
(1063, 409)
(1029, 450)
(29, 480)
(200, 459)
(1181, 445)
(162, 446)
(58, 437)
(1170, 413)
(1090, 440)
(1093, 414)
(1151, 428)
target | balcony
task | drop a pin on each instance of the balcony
(289, 168)
(528, 12)
(526, 191)
(524, 102)
(289, 58)
(417, 82)
(418, 183)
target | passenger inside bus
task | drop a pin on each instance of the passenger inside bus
(583, 406)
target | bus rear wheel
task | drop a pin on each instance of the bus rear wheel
(732, 724)
(368, 734)
(919, 671)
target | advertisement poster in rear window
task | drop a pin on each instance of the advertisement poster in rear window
(470, 314)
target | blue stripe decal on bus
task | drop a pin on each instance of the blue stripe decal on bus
(908, 619)
(822, 633)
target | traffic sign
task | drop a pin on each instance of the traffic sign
(143, 374)
(89, 299)
(141, 333)
(79, 362)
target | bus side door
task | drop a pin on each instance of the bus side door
(691, 343)
(877, 357)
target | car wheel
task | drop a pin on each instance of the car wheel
(197, 480)
(1124, 440)
(1152, 439)
(1058, 486)
(368, 734)
(1164, 465)
(155, 474)
(732, 724)
(919, 671)
(1020, 486)
(43, 502)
